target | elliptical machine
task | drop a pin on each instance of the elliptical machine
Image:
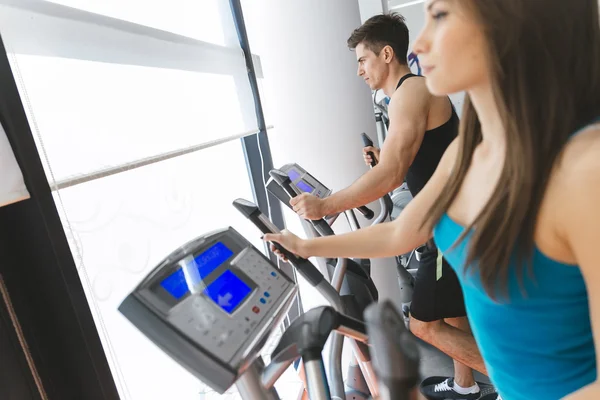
(213, 303)
(406, 274)
(349, 277)
(291, 180)
(304, 182)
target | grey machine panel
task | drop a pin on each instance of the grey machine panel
(211, 305)
(302, 182)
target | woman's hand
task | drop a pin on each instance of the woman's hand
(289, 241)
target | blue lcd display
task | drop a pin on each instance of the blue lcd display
(212, 258)
(227, 291)
(175, 284)
(206, 262)
(305, 187)
(293, 174)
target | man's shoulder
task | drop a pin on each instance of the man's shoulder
(411, 97)
(413, 83)
(411, 88)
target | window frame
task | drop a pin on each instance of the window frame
(258, 152)
(48, 295)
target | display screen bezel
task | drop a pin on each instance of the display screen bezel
(169, 301)
(174, 283)
(235, 274)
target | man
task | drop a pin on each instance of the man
(421, 128)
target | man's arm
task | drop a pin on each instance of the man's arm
(381, 240)
(408, 113)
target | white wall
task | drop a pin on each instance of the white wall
(414, 12)
(369, 8)
(315, 100)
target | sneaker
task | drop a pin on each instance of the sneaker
(491, 396)
(438, 388)
(488, 392)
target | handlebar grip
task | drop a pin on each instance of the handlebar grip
(322, 227)
(367, 142)
(304, 267)
(284, 181)
(366, 212)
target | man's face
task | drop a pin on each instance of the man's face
(371, 67)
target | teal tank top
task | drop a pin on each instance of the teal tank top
(537, 343)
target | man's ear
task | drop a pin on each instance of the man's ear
(388, 54)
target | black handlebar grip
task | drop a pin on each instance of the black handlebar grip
(366, 212)
(322, 227)
(284, 181)
(304, 267)
(367, 142)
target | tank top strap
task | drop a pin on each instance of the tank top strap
(405, 77)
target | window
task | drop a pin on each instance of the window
(200, 20)
(93, 115)
(136, 108)
(121, 226)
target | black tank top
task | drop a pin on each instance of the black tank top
(435, 142)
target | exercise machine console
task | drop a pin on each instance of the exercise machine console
(211, 305)
(303, 182)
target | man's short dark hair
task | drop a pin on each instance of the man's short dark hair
(380, 31)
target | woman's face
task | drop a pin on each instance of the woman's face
(452, 48)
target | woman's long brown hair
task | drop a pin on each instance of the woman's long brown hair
(545, 65)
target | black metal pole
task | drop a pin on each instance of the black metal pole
(258, 144)
(252, 143)
(40, 274)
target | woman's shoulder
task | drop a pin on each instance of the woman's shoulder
(576, 175)
(580, 159)
(571, 198)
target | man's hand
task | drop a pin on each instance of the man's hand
(308, 206)
(367, 157)
(289, 241)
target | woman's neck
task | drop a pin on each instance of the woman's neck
(492, 127)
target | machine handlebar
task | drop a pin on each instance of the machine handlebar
(367, 142)
(305, 267)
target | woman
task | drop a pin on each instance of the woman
(514, 202)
